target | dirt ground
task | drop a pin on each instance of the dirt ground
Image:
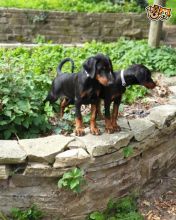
(159, 199)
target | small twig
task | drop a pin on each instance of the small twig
(17, 137)
(18, 141)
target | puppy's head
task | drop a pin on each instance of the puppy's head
(143, 76)
(99, 67)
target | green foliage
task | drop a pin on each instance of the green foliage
(172, 20)
(133, 93)
(66, 124)
(72, 180)
(97, 216)
(122, 209)
(40, 39)
(142, 3)
(33, 213)
(44, 59)
(128, 151)
(21, 101)
(74, 5)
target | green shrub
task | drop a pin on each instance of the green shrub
(22, 110)
(122, 209)
(33, 213)
(74, 5)
(142, 3)
(44, 59)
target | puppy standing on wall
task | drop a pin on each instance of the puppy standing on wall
(83, 88)
(136, 74)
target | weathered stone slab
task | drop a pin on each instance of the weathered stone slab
(11, 153)
(4, 172)
(43, 170)
(76, 144)
(141, 128)
(71, 158)
(45, 149)
(137, 33)
(160, 115)
(106, 143)
(123, 123)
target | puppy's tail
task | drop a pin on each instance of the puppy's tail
(59, 68)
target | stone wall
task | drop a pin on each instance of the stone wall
(30, 169)
(63, 27)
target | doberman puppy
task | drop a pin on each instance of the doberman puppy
(135, 74)
(83, 88)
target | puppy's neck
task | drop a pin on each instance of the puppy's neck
(128, 78)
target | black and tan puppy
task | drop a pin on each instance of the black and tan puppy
(136, 74)
(83, 88)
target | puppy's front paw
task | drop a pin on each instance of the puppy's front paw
(109, 130)
(108, 126)
(116, 127)
(94, 130)
(79, 131)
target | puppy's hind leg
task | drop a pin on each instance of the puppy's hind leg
(64, 103)
(54, 93)
(115, 112)
(51, 97)
(79, 130)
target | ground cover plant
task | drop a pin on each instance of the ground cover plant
(32, 213)
(78, 6)
(26, 75)
(122, 209)
(72, 180)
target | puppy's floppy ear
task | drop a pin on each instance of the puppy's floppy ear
(90, 66)
(141, 72)
(110, 62)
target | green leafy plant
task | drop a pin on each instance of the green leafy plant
(22, 110)
(97, 216)
(133, 93)
(40, 39)
(74, 5)
(142, 3)
(128, 151)
(33, 213)
(72, 180)
(122, 209)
